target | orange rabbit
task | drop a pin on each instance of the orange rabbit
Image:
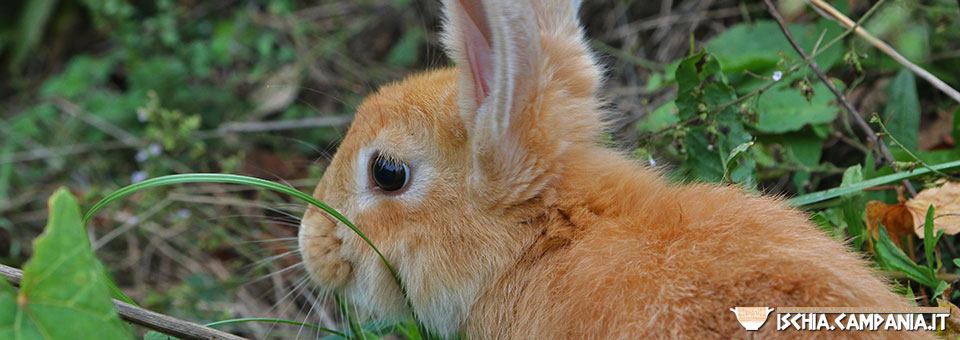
(486, 187)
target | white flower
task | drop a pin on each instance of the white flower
(777, 76)
(142, 115)
(138, 176)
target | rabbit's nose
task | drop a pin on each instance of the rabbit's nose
(320, 249)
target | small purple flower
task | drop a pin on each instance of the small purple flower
(183, 213)
(653, 162)
(141, 156)
(777, 76)
(142, 115)
(138, 176)
(155, 149)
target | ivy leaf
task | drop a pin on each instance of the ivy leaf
(63, 294)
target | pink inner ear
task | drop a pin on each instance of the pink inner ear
(478, 52)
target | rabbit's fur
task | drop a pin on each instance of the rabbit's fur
(516, 223)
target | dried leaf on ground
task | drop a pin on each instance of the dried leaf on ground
(952, 330)
(894, 217)
(946, 200)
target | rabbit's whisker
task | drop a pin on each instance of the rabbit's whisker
(281, 271)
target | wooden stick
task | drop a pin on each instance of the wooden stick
(165, 324)
(862, 123)
(832, 13)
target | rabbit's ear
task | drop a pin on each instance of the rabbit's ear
(496, 43)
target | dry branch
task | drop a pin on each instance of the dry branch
(861, 122)
(166, 324)
(831, 13)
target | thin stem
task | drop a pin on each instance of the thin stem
(910, 153)
(843, 100)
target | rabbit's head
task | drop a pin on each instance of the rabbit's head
(445, 170)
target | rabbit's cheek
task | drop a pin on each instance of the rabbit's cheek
(321, 252)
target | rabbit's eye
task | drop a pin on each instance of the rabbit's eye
(389, 175)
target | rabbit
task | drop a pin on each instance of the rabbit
(487, 188)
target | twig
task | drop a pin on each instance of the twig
(165, 324)
(910, 153)
(843, 35)
(872, 135)
(283, 124)
(628, 57)
(225, 129)
(832, 13)
(97, 122)
(675, 19)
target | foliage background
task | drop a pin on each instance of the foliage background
(96, 94)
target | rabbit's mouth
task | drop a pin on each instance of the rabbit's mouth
(320, 248)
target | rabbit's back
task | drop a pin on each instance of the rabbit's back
(626, 254)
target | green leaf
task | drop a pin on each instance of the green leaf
(852, 206)
(63, 294)
(732, 159)
(757, 46)
(942, 286)
(783, 109)
(902, 114)
(703, 93)
(890, 256)
(405, 52)
(660, 118)
(81, 75)
(929, 241)
(839, 191)
(33, 21)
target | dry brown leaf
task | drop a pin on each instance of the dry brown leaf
(946, 201)
(277, 92)
(894, 217)
(952, 330)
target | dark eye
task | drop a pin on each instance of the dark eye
(389, 175)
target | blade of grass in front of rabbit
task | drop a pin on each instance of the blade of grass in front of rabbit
(237, 179)
(245, 180)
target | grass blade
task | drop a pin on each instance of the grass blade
(289, 322)
(840, 191)
(245, 180)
